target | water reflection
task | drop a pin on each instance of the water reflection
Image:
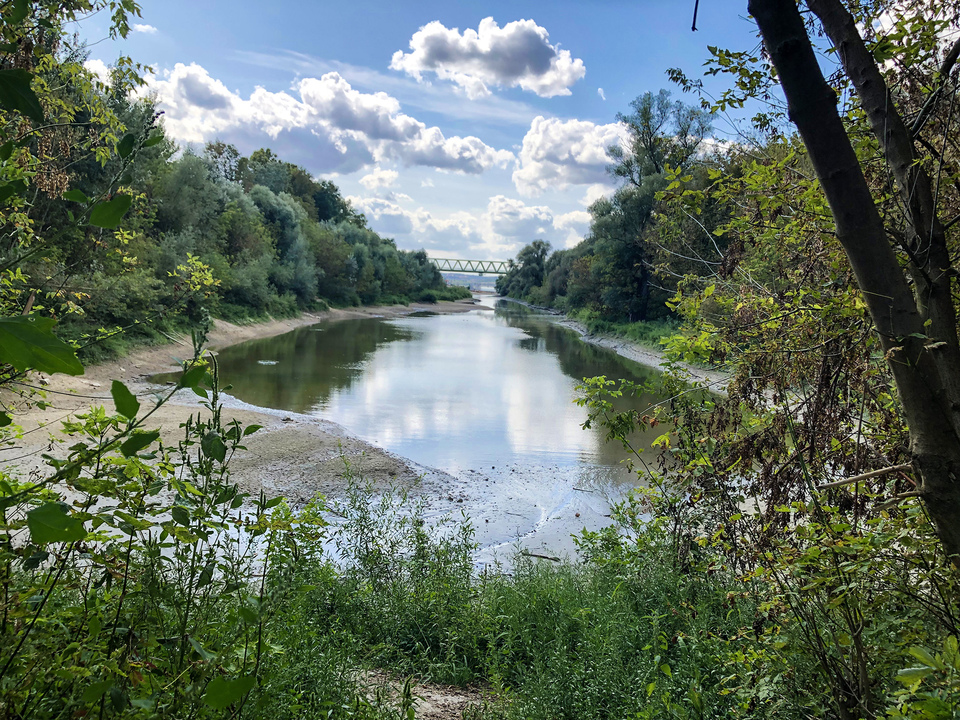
(454, 392)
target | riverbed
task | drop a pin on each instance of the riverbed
(483, 402)
(469, 405)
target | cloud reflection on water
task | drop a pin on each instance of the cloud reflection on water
(455, 392)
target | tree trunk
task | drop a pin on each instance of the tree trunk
(925, 369)
(926, 242)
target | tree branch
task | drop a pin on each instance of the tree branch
(866, 476)
(945, 69)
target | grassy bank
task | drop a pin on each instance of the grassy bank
(654, 622)
(112, 343)
(647, 333)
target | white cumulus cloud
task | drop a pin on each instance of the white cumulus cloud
(595, 192)
(146, 29)
(511, 218)
(558, 153)
(330, 127)
(602, 94)
(519, 54)
(575, 224)
(497, 231)
(379, 179)
(98, 68)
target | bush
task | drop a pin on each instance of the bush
(250, 286)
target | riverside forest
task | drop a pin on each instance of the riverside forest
(698, 456)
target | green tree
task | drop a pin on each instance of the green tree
(906, 273)
(663, 134)
(528, 272)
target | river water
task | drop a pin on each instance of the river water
(487, 396)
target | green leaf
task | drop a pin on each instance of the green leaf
(50, 523)
(180, 515)
(911, 676)
(6, 150)
(251, 429)
(192, 377)
(213, 446)
(17, 187)
(133, 521)
(18, 12)
(926, 657)
(109, 214)
(221, 693)
(16, 94)
(201, 650)
(28, 343)
(5, 419)
(95, 692)
(884, 50)
(153, 140)
(126, 402)
(118, 698)
(206, 574)
(125, 146)
(137, 442)
(33, 562)
(76, 196)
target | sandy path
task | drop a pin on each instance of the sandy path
(293, 455)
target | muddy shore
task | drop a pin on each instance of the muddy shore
(297, 456)
(293, 455)
(715, 380)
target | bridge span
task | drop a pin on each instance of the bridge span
(481, 267)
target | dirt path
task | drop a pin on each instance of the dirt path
(431, 701)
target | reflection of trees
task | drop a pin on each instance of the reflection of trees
(312, 362)
(579, 359)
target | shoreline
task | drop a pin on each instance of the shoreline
(714, 380)
(295, 456)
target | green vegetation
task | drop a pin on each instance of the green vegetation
(110, 226)
(650, 333)
(621, 272)
(797, 558)
(662, 618)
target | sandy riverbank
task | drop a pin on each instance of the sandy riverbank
(294, 455)
(715, 380)
(297, 456)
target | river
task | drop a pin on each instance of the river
(487, 396)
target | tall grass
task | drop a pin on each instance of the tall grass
(631, 632)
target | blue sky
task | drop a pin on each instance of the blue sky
(465, 128)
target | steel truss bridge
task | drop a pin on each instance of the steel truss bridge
(481, 267)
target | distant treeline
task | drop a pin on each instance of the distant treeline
(236, 237)
(623, 271)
